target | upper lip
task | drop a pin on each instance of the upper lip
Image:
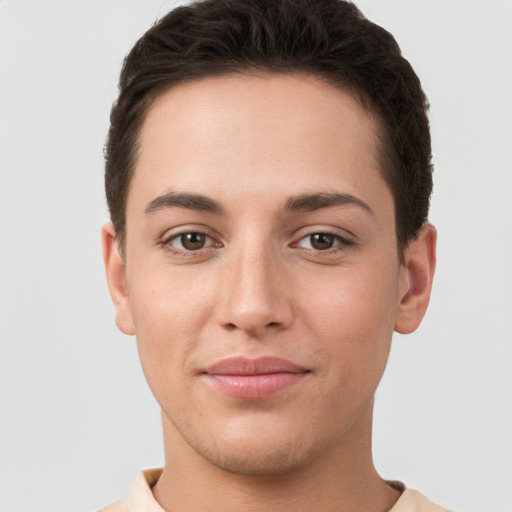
(247, 366)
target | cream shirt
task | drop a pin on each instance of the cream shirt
(140, 498)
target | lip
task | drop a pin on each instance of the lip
(246, 378)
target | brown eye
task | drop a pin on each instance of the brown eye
(321, 241)
(193, 241)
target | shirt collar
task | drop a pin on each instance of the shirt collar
(141, 497)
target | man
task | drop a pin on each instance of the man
(268, 175)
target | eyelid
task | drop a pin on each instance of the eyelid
(339, 239)
(179, 235)
(171, 233)
(174, 233)
(345, 239)
(342, 233)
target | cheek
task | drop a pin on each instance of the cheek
(168, 300)
(353, 319)
(169, 311)
(352, 301)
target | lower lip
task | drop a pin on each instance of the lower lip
(254, 386)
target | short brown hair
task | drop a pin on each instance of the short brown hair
(327, 38)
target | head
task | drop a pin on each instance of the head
(328, 39)
(265, 161)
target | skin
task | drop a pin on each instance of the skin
(259, 287)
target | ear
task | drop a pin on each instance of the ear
(116, 279)
(416, 278)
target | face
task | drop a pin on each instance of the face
(261, 274)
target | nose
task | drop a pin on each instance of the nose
(255, 296)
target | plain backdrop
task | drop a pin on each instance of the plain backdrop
(77, 420)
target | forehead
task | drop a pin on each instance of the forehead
(269, 132)
(245, 102)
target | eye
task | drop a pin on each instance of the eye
(192, 241)
(322, 241)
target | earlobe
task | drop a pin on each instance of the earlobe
(116, 279)
(416, 280)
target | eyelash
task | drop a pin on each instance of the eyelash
(342, 244)
(167, 244)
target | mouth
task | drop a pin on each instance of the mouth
(246, 378)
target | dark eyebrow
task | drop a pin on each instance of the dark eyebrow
(183, 200)
(307, 202)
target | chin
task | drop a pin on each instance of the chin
(257, 450)
(260, 461)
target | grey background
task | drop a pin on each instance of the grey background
(76, 418)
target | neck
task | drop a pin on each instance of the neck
(344, 478)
